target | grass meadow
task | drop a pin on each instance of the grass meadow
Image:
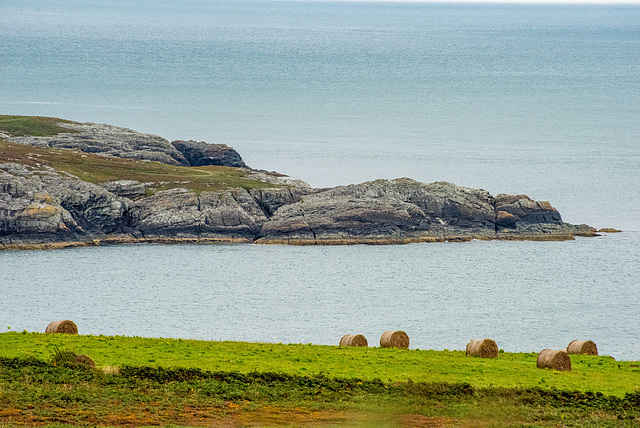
(158, 381)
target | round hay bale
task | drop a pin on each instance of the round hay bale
(582, 347)
(68, 327)
(353, 340)
(483, 348)
(394, 339)
(556, 360)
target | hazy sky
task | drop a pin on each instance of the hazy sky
(634, 2)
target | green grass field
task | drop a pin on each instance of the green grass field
(510, 370)
(232, 384)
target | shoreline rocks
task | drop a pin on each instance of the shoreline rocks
(43, 210)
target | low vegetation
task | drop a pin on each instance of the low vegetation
(144, 381)
(99, 169)
(37, 126)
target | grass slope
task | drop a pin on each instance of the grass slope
(36, 392)
(249, 384)
(98, 169)
(510, 370)
(37, 126)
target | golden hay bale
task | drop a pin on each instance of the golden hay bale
(483, 348)
(556, 360)
(394, 339)
(353, 340)
(66, 326)
(583, 347)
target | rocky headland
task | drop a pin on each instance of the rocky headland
(48, 201)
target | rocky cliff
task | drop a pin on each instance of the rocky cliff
(42, 207)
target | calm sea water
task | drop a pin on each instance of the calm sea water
(542, 100)
(525, 295)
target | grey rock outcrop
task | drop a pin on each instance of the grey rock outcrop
(405, 210)
(111, 141)
(199, 153)
(177, 213)
(125, 143)
(126, 188)
(521, 212)
(42, 206)
(39, 206)
(235, 215)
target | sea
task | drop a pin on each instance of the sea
(536, 99)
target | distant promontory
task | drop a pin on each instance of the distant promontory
(64, 184)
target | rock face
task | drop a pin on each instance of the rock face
(199, 153)
(405, 210)
(521, 214)
(126, 143)
(46, 207)
(126, 188)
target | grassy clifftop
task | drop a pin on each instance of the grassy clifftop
(36, 126)
(99, 169)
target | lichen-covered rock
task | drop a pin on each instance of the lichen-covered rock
(126, 143)
(227, 215)
(27, 209)
(518, 216)
(126, 188)
(385, 210)
(405, 210)
(44, 206)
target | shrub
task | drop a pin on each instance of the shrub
(66, 358)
